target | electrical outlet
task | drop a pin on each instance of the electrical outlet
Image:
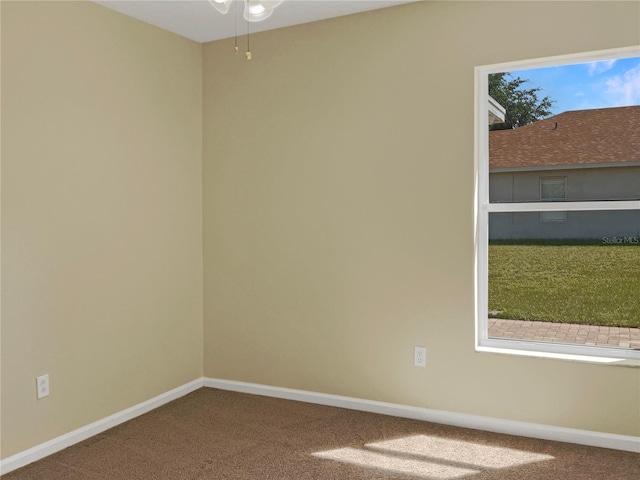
(419, 356)
(42, 385)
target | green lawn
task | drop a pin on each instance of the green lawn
(589, 284)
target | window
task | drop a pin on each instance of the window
(536, 205)
(553, 189)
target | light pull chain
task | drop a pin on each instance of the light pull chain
(235, 26)
(248, 54)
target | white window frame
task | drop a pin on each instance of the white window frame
(483, 208)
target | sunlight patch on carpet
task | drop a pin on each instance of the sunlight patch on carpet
(433, 458)
(394, 463)
(473, 454)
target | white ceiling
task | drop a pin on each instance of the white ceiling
(199, 21)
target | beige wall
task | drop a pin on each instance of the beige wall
(338, 210)
(101, 215)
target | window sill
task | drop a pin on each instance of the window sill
(600, 360)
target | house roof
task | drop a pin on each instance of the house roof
(496, 111)
(579, 138)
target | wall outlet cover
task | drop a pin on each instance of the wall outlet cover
(420, 356)
(42, 385)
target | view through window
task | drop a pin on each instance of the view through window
(559, 197)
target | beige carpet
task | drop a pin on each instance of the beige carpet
(213, 434)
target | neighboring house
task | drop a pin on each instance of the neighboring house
(574, 156)
(496, 111)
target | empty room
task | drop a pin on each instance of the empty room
(265, 249)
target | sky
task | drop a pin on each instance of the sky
(609, 83)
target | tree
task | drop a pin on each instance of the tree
(523, 105)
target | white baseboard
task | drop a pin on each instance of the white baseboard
(510, 427)
(55, 445)
(496, 425)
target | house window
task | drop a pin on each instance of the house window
(553, 189)
(520, 203)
